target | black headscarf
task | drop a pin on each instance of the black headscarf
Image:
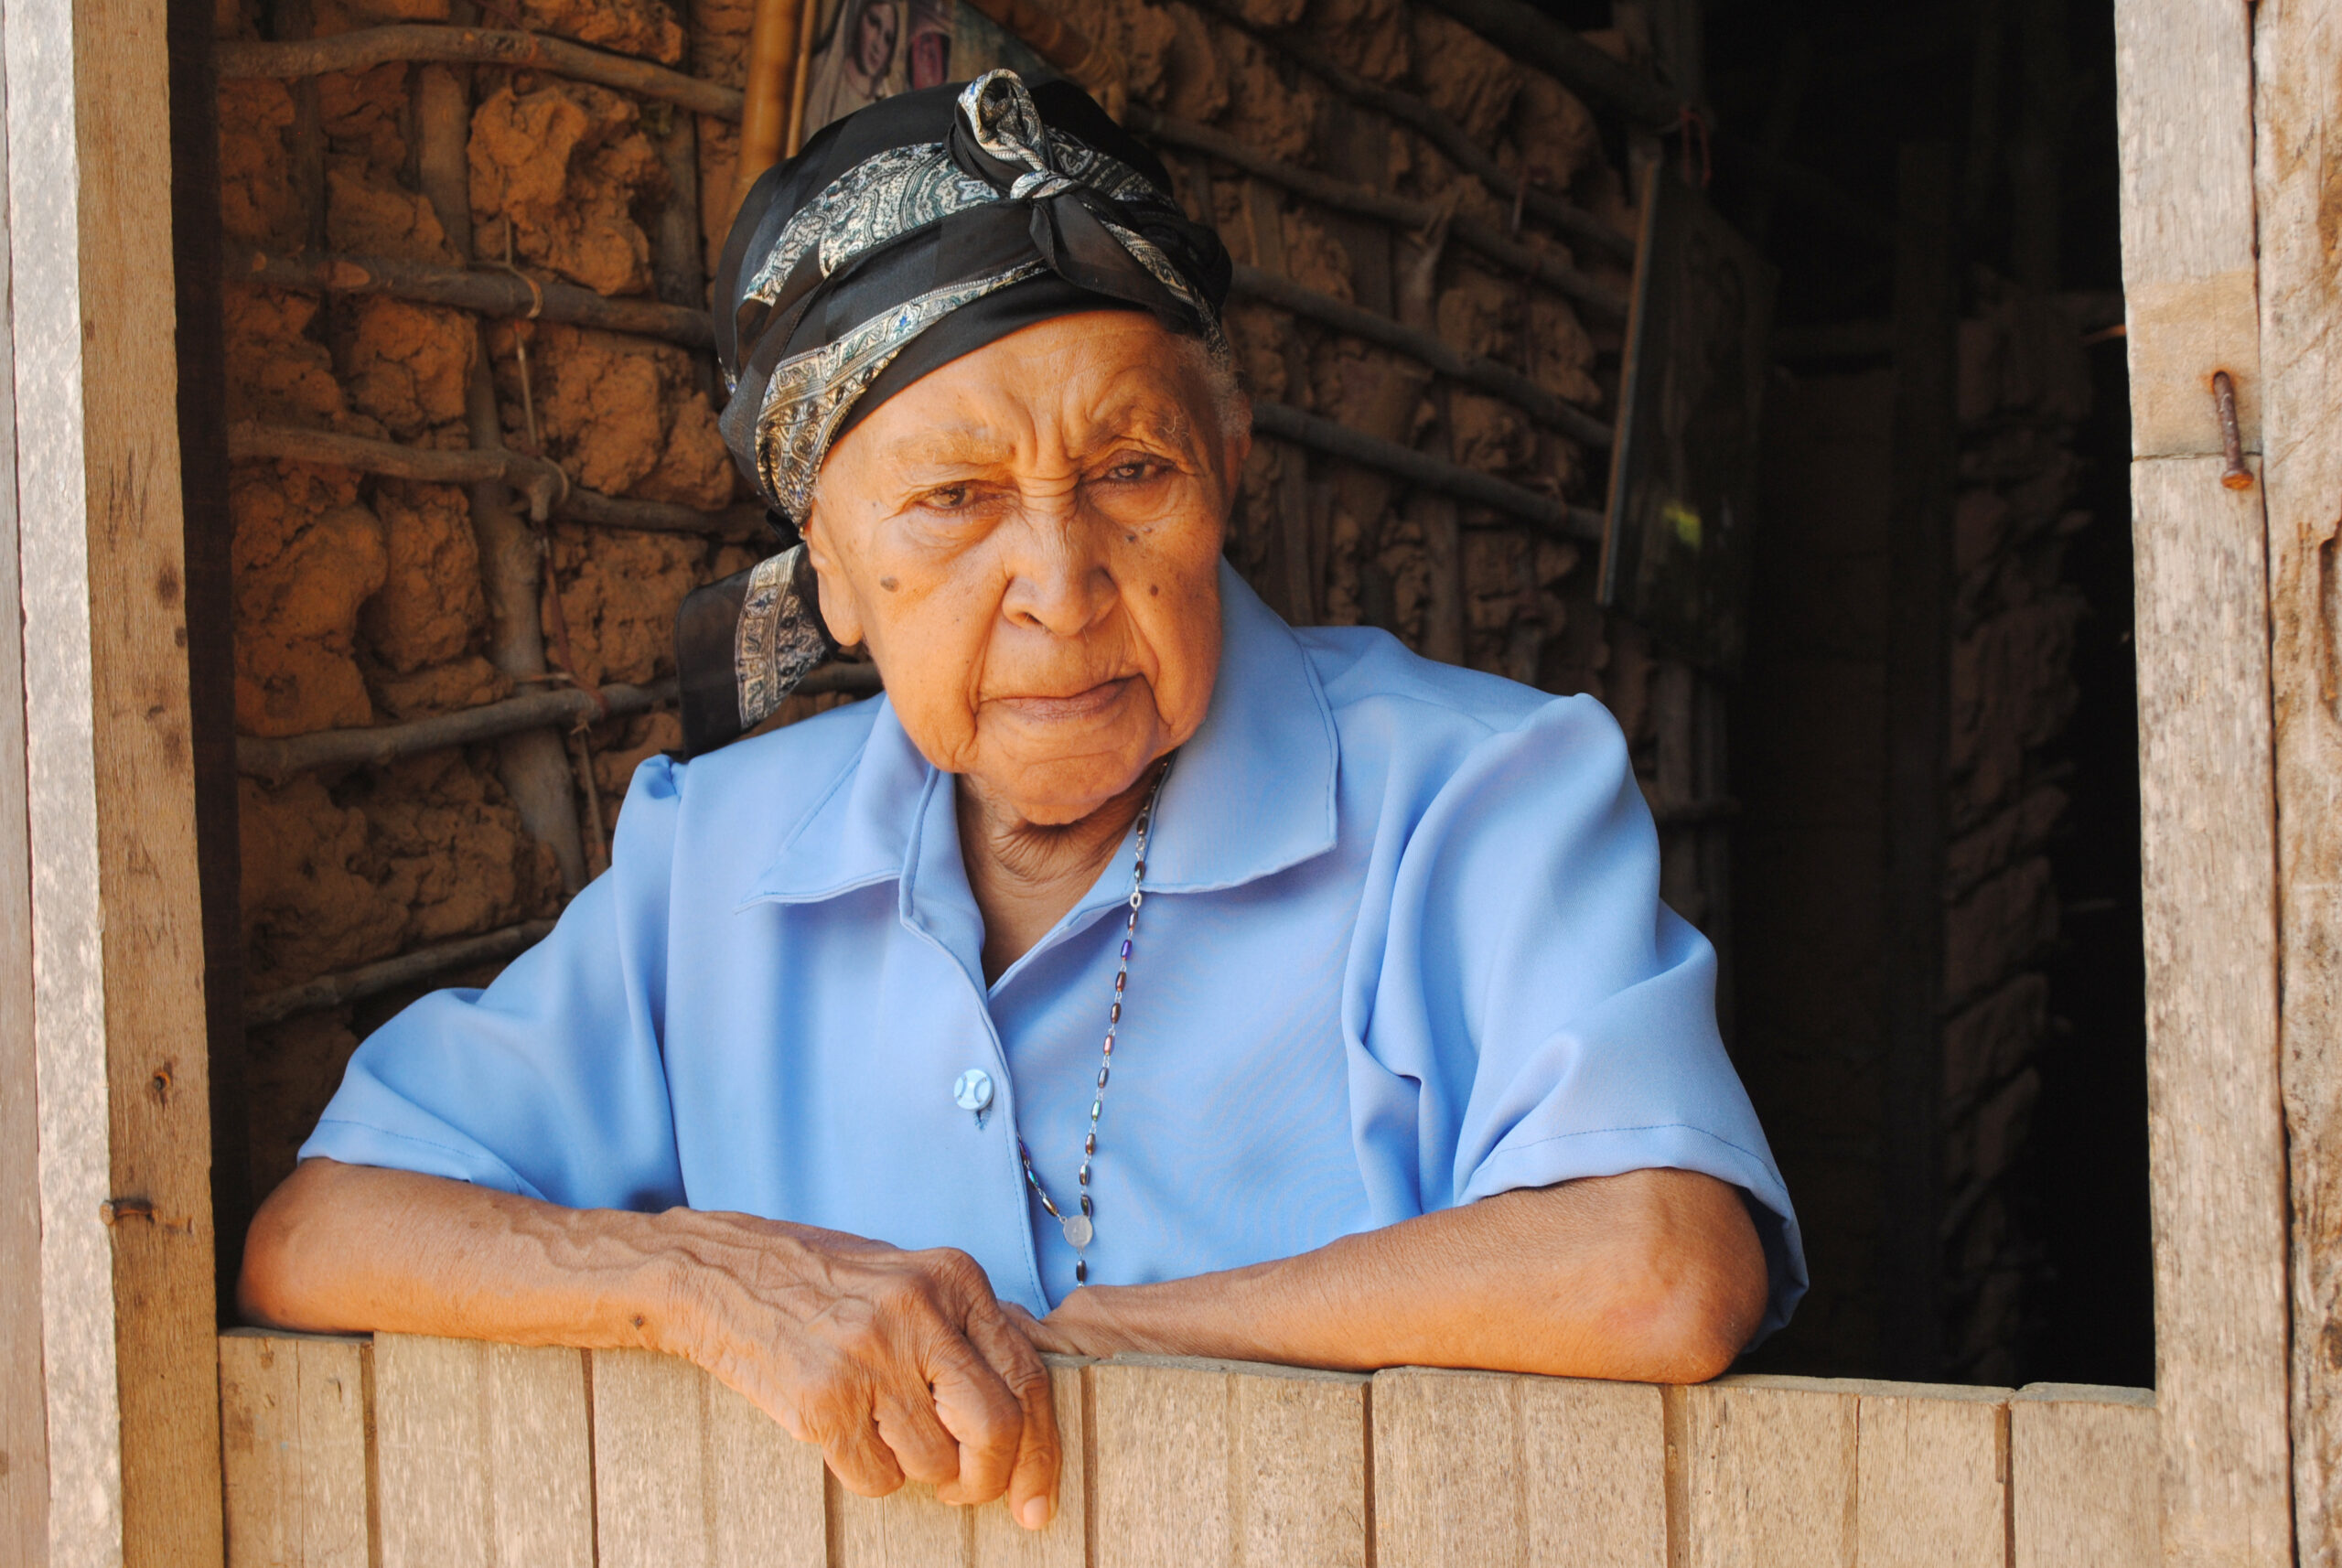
(904, 236)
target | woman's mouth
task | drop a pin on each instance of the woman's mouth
(1070, 707)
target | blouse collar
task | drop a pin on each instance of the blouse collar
(1253, 792)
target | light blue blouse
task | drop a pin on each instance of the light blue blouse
(1402, 949)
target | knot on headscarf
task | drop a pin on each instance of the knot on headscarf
(904, 236)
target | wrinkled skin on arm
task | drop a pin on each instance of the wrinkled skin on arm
(1027, 540)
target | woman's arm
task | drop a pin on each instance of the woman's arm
(897, 1363)
(1654, 1276)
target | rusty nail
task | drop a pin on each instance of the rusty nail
(2236, 476)
(114, 1210)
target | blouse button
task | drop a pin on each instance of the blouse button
(972, 1090)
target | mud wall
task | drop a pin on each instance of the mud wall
(360, 599)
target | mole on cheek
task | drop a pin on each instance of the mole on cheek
(889, 583)
(1152, 589)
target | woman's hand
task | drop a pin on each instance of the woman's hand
(897, 1363)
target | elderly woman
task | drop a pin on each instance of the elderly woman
(1138, 973)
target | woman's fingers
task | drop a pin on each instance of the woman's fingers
(862, 1462)
(979, 1407)
(909, 1426)
(1033, 1481)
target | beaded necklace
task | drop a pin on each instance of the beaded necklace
(1079, 1229)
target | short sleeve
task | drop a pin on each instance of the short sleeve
(1539, 1015)
(550, 1083)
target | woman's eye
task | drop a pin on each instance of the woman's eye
(950, 497)
(1132, 471)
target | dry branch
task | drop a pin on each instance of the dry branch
(372, 980)
(277, 759)
(1473, 369)
(1528, 35)
(280, 758)
(295, 58)
(1441, 132)
(541, 480)
(524, 473)
(498, 293)
(1282, 422)
(1396, 211)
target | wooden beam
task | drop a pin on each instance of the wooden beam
(24, 1403)
(82, 1416)
(2209, 852)
(2296, 105)
(158, 1059)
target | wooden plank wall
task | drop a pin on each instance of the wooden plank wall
(2298, 101)
(130, 1401)
(24, 1405)
(2208, 804)
(399, 1453)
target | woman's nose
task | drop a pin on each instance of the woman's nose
(1059, 580)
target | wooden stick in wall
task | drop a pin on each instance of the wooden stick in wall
(773, 46)
(532, 765)
(797, 126)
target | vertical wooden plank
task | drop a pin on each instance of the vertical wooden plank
(1769, 1474)
(2297, 101)
(1000, 1542)
(481, 1455)
(540, 1451)
(292, 1411)
(157, 1063)
(651, 1486)
(431, 1453)
(82, 1413)
(1594, 1465)
(23, 1435)
(1162, 1483)
(909, 1526)
(2184, 107)
(1298, 1467)
(1932, 1477)
(766, 1488)
(2214, 1132)
(1447, 1471)
(2083, 1468)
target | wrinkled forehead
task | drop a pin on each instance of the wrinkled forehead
(1062, 387)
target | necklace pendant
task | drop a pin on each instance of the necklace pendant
(1078, 1231)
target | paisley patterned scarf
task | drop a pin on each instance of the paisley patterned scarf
(904, 236)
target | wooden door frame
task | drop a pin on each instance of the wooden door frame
(127, 1372)
(103, 949)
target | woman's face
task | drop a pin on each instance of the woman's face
(874, 39)
(1027, 540)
